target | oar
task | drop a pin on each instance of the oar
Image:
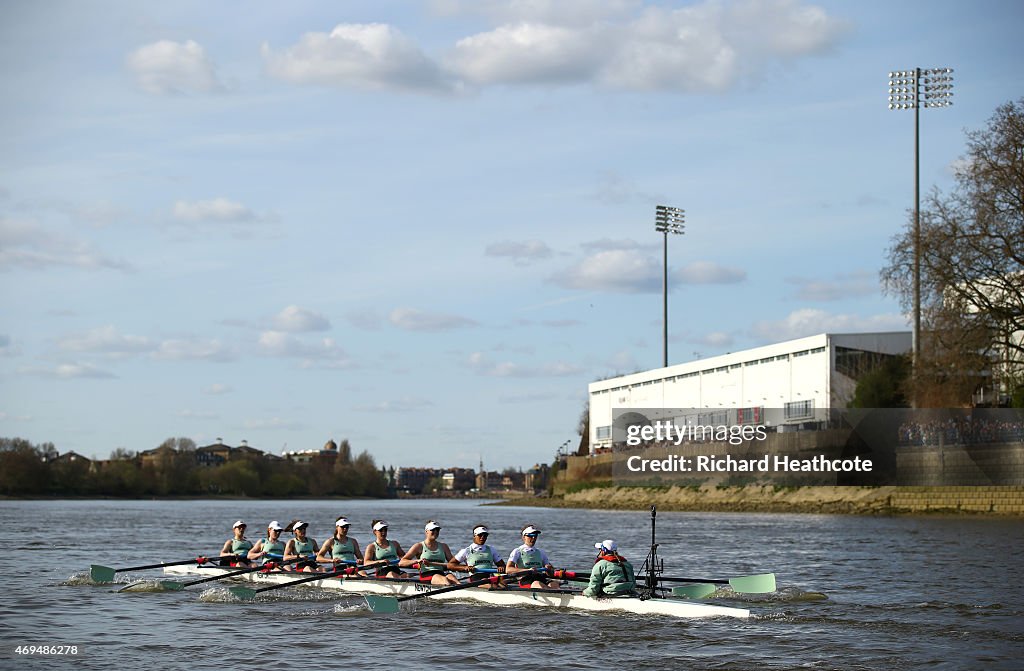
(173, 586)
(106, 574)
(747, 584)
(247, 593)
(389, 604)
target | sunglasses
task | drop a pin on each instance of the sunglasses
(532, 535)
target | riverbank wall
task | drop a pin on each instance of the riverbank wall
(994, 500)
(942, 478)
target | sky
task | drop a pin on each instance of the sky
(425, 227)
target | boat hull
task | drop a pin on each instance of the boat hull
(571, 600)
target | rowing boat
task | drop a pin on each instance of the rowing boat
(514, 596)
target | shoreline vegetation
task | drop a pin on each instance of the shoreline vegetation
(1005, 501)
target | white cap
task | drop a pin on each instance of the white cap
(299, 524)
(481, 530)
(237, 524)
(431, 526)
(608, 545)
(275, 525)
(342, 522)
(380, 525)
(531, 530)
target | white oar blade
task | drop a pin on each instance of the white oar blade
(101, 573)
(381, 604)
(754, 584)
(696, 591)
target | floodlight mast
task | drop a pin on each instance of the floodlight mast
(914, 89)
(667, 220)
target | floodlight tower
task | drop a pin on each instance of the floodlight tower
(914, 89)
(667, 220)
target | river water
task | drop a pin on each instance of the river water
(903, 593)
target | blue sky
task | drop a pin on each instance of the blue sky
(426, 226)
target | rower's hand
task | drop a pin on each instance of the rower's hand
(501, 569)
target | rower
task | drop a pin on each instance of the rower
(612, 575)
(531, 561)
(270, 548)
(340, 548)
(431, 557)
(382, 549)
(236, 549)
(302, 547)
(479, 559)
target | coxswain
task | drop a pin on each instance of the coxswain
(530, 561)
(431, 556)
(479, 559)
(236, 550)
(270, 548)
(302, 548)
(612, 575)
(341, 549)
(383, 550)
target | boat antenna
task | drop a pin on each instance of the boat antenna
(652, 565)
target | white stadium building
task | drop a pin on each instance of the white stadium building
(783, 385)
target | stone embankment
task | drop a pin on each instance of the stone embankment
(1002, 501)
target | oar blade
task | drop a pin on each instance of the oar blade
(171, 585)
(381, 604)
(754, 584)
(695, 591)
(101, 573)
(243, 593)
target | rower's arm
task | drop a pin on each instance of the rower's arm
(412, 556)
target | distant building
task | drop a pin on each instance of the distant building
(781, 385)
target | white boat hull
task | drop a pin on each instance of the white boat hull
(504, 597)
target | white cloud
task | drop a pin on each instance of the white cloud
(324, 354)
(25, 244)
(108, 341)
(522, 253)
(622, 45)
(708, 272)
(483, 366)
(168, 67)
(808, 322)
(217, 388)
(68, 371)
(399, 405)
(409, 319)
(843, 286)
(216, 209)
(191, 348)
(715, 339)
(621, 270)
(700, 48)
(528, 53)
(558, 12)
(297, 320)
(370, 56)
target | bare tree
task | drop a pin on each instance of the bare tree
(972, 267)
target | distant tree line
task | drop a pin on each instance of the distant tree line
(39, 470)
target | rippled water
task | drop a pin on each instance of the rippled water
(903, 593)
